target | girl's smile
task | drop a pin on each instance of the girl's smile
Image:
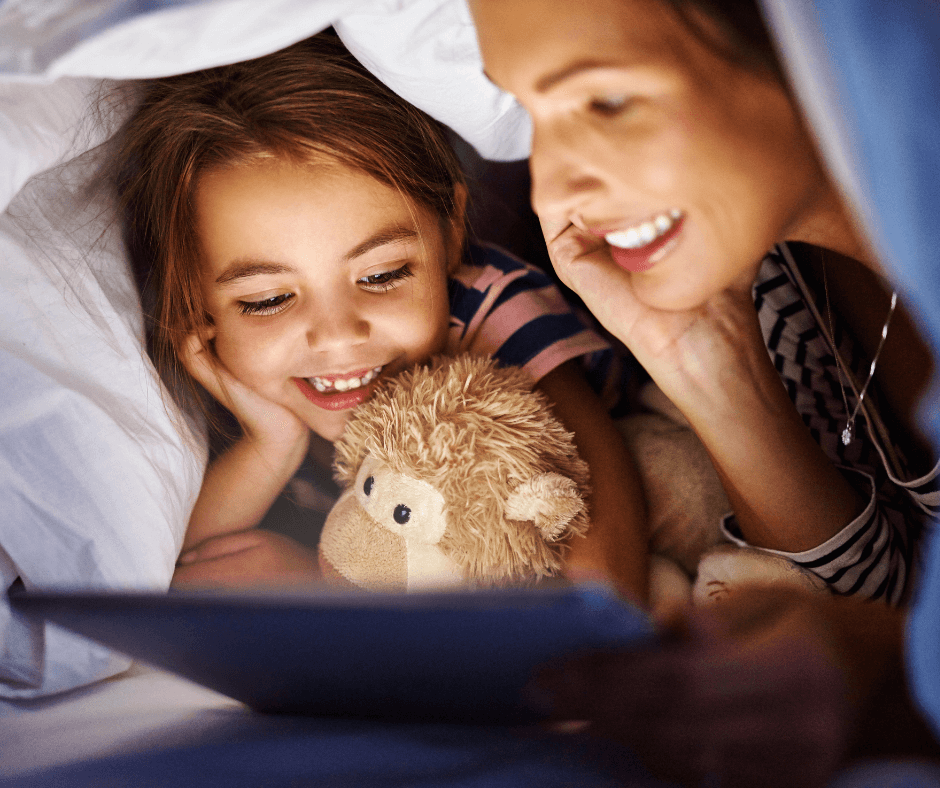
(319, 279)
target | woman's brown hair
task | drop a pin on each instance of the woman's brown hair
(311, 102)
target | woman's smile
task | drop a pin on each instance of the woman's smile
(640, 246)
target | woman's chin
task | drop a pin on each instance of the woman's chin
(671, 293)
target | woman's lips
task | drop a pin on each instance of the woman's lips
(335, 400)
(645, 257)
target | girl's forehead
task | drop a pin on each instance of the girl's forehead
(274, 211)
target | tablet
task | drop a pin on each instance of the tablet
(462, 656)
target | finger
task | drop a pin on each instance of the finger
(552, 227)
(199, 362)
(584, 264)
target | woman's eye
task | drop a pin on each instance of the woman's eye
(381, 283)
(608, 106)
(268, 306)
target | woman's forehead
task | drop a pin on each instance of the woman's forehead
(535, 44)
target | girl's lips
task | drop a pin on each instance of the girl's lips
(645, 257)
(335, 400)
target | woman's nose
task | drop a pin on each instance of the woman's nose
(336, 326)
(563, 180)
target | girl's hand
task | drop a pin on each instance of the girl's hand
(261, 419)
(244, 559)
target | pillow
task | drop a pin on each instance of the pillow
(98, 473)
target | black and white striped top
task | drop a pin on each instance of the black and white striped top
(874, 555)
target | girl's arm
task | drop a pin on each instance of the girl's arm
(243, 482)
(617, 543)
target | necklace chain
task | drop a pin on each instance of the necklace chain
(850, 424)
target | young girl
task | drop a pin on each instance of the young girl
(303, 232)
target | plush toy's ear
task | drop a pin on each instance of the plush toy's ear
(549, 500)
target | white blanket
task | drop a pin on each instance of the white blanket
(97, 471)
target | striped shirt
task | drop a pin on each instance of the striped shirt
(504, 308)
(872, 556)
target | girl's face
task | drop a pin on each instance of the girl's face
(689, 167)
(319, 279)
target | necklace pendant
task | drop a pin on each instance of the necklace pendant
(847, 435)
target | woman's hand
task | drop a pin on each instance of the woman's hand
(675, 347)
(262, 420)
(244, 559)
(711, 361)
(756, 693)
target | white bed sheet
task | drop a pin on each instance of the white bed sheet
(97, 474)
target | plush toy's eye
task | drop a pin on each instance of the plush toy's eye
(402, 514)
(367, 485)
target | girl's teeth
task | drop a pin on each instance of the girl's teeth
(645, 233)
(324, 385)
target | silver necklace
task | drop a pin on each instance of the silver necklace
(850, 425)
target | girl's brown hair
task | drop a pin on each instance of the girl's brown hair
(311, 102)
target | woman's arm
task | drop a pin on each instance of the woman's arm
(617, 543)
(785, 492)
(711, 361)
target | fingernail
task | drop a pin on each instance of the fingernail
(186, 558)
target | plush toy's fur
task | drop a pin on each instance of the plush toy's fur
(513, 485)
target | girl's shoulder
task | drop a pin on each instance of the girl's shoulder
(485, 262)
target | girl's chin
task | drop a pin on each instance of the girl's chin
(329, 426)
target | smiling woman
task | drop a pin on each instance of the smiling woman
(683, 199)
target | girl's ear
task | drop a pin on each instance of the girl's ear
(457, 229)
(207, 330)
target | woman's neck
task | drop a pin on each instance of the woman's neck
(830, 224)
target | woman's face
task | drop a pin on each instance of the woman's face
(688, 167)
(319, 279)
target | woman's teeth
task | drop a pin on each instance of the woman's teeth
(324, 385)
(642, 234)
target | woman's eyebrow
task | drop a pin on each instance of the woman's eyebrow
(550, 80)
(387, 235)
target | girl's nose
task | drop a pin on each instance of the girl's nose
(336, 326)
(563, 180)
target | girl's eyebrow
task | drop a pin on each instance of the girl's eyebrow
(387, 235)
(241, 269)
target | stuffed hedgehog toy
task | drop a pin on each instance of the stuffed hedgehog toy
(456, 473)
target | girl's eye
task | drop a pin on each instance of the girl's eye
(609, 106)
(269, 306)
(387, 280)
